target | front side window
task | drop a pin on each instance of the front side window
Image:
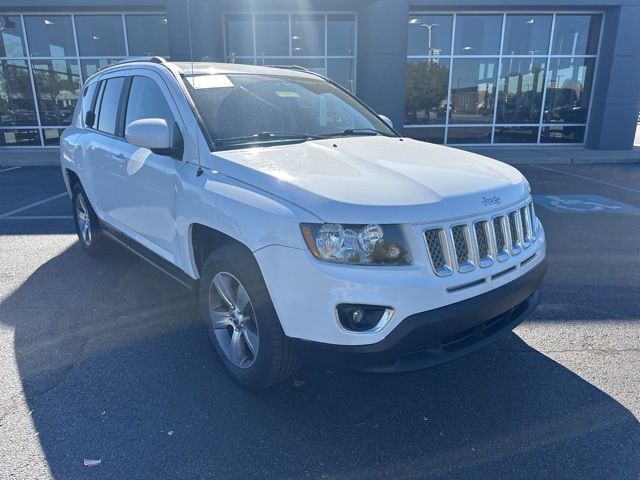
(261, 107)
(146, 100)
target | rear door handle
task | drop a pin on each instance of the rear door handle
(120, 157)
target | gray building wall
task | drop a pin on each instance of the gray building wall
(382, 46)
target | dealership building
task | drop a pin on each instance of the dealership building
(464, 73)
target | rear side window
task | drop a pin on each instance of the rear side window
(146, 100)
(87, 100)
(108, 115)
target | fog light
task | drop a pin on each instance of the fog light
(360, 318)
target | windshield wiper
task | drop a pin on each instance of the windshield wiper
(358, 131)
(265, 137)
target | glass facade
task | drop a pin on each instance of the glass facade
(324, 43)
(44, 60)
(500, 78)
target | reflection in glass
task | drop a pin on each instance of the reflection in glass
(425, 98)
(478, 34)
(341, 35)
(561, 134)
(51, 136)
(307, 35)
(15, 137)
(58, 87)
(509, 134)
(272, 35)
(100, 35)
(431, 134)
(89, 67)
(527, 34)
(11, 38)
(50, 36)
(430, 35)
(473, 90)
(568, 90)
(16, 96)
(576, 34)
(520, 90)
(340, 70)
(239, 35)
(459, 135)
(147, 35)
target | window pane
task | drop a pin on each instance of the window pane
(527, 35)
(516, 135)
(16, 97)
(52, 136)
(50, 36)
(146, 100)
(11, 38)
(439, 26)
(576, 35)
(568, 90)
(307, 35)
(107, 117)
(272, 35)
(520, 90)
(57, 88)
(469, 135)
(147, 35)
(100, 35)
(340, 70)
(89, 67)
(87, 99)
(341, 35)
(12, 138)
(560, 134)
(426, 91)
(472, 90)
(239, 36)
(431, 135)
(478, 34)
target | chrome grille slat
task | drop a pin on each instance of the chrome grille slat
(481, 241)
(438, 251)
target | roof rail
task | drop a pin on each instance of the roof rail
(297, 68)
(155, 59)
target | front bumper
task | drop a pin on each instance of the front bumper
(437, 336)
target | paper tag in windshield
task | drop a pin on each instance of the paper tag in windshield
(287, 94)
(209, 81)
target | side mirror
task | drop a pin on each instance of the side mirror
(154, 134)
(386, 120)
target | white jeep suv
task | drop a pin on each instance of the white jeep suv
(306, 224)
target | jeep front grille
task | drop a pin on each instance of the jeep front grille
(481, 242)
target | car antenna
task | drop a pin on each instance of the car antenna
(193, 77)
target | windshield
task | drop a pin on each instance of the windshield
(242, 110)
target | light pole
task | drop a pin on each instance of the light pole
(429, 26)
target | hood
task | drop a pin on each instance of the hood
(376, 179)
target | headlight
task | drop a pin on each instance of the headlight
(357, 244)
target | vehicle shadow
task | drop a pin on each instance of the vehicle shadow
(115, 365)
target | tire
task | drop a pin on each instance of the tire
(92, 239)
(248, 336)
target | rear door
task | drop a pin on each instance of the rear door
(98, 142)
(146, 182)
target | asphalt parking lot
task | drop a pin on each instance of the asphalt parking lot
(105, 359)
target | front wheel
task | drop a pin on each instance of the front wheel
(242, 323)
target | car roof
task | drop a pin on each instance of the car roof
(208, 68)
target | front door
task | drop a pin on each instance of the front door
(146, 182)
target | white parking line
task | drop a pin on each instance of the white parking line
(39, 217)
(34, 204)
(8, 169)
(584, 177)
